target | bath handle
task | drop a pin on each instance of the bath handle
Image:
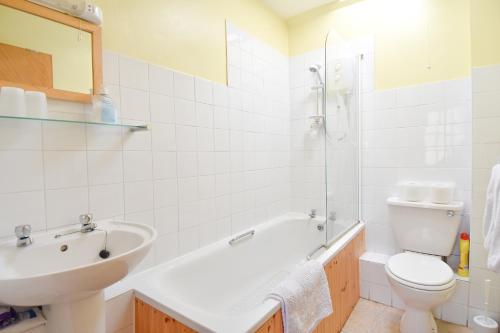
(242, 237)
(310, 255)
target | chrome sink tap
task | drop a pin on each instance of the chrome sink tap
(23, 234)
(86, 225)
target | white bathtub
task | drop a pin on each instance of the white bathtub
(221, 288)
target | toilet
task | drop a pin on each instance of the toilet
(426, 233)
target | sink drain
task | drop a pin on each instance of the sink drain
(64, 248)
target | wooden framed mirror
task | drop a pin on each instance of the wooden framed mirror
(45, 50)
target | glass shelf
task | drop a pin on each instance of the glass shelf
(131, 126)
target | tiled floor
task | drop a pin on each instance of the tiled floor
(371, 317)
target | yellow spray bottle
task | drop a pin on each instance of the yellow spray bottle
(463, 266)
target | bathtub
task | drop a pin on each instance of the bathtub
(221, 288)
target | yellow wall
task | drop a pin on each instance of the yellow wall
(485, 23)
(187, 35)
(409, 36)
(71, 56)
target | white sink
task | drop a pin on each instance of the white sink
(66, 275)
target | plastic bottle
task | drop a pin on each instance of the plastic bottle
(104, 103)
(463, 266)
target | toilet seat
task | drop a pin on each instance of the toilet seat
(420, 271)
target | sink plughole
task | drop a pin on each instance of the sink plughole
(66, 273)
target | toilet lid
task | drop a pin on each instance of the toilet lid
(420, 269)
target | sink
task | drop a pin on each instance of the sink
(66, 275)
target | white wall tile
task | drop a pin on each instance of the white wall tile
(184, 86)
(165, 193)
(185, 112)
(138, 196)
(166, 247)
(164, 137)
(21, 171)
(220, 95)
(167, 220)
(188, 240)
(203, 91)
(106, 201)
(65, 169)
(137, 166)
(189, 214)
(111, 68)
(186, 139)
(103, 138)
(64, 206)
(380, 293)
(205, 115)
(22, 208)
(134, 104)
(187, 164)
(164, 165)
(133, 73)
(206, 163)
(105, 167)
(120, 312)
(455, 313)
(162, 108)
(139, 140)
(161, 80)
(19, 135)
(188, 189)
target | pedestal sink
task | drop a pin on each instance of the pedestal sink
(66, 275)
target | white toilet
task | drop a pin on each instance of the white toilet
(426, 233)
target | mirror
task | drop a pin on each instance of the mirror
(45, 50)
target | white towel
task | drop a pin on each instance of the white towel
(305, 298)
(491, 225)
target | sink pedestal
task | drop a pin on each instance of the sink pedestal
(82, 316)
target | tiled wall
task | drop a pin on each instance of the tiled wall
(486, 153)
(414, 133)
(420, 133)
(214, 162)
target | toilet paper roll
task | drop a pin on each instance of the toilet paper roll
(412, 191)
(12, 101)
(442, 193)
(36, 103)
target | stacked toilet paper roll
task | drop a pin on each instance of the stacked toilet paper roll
(412, 191)
(16, 102)
(442, 193)
(435, 192)
(12, 101)
(36, 103)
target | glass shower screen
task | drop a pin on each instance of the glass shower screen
(341, 108)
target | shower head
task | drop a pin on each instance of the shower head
(315, 70)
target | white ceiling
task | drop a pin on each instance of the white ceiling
(289, 8)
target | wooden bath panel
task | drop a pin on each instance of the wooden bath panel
(343, 278)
